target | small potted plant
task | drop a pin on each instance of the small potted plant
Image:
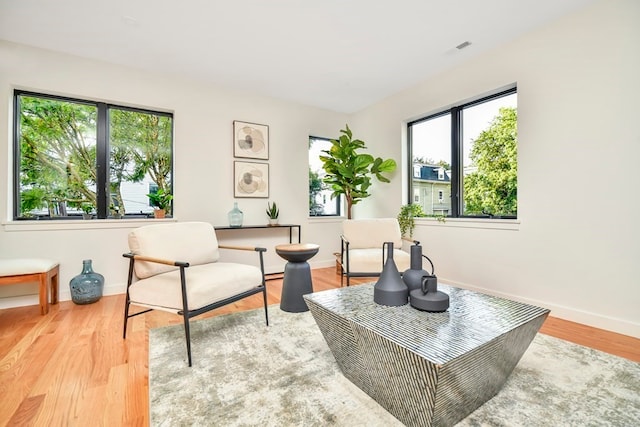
(87, 208)
(272, 213)
(161, 201)
(115, 211)
(406, 218)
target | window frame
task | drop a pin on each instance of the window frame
(457, 160)
(338, 200)
(102, 152)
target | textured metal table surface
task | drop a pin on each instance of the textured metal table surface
(426, 368)
(471, 320)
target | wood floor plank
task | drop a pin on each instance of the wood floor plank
(73, 368)
(25, 413)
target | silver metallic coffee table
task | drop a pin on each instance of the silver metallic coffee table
(427, 369)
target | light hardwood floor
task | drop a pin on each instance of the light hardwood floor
(72, 367)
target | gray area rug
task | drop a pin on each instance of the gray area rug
(247, 374)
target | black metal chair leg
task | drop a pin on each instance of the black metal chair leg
(266, 311)
(126, 319)
(127, 301)
(187, 335)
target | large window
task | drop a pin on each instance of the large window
(320, 201)
(463, 160)
(75, 157)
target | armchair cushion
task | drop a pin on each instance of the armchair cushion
(371, 261)
(372, 233)
(192, 242)
(366, 238)
(207, 283)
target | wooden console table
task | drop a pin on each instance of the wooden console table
(271, 227)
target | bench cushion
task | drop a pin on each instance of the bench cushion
(206, 284)
(19, 266)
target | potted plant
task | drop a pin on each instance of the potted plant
(115, 211)
(87, 208)
(406, 218)
(349, 172)
(161, 201)
(272, 213)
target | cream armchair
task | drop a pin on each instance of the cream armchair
(174, 267)
(361, 253)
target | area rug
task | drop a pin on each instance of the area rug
(246, 374)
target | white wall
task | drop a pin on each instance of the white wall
(203, 163)
(579, 147)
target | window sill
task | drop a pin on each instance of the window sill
(325, 219)
(81, 224)
(486, 224)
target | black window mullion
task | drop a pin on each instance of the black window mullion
(410, 162)
(17, 156)
(102, 162)
(456, 161)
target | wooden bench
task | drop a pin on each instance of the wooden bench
(26, 270)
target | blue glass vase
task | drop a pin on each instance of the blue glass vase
(86, 287)
(235, 216)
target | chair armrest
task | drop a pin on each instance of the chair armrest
(344, 246)
(243, 248)
(156, 260)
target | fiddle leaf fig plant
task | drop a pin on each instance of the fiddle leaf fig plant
(348, 172)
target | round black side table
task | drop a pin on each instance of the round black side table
(297, 275)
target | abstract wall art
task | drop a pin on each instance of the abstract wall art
(250, 140)
(251, 179)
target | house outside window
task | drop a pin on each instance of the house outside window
(75, 155)
(468, 153)
(320, 201)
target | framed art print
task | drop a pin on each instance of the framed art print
(250, 179)
(250, 140)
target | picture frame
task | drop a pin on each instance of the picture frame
(250, 140)
(251, 179)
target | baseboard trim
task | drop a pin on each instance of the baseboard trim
(63, 295)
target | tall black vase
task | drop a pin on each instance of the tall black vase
(390, 289)
(86, 287)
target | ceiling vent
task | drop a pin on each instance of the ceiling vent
(463, 45)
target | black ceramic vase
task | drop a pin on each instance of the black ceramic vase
(86, 287)
(412, 277)
(390, 289)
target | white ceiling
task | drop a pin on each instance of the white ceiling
(342, 55)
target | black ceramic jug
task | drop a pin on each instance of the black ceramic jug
(428, 297)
